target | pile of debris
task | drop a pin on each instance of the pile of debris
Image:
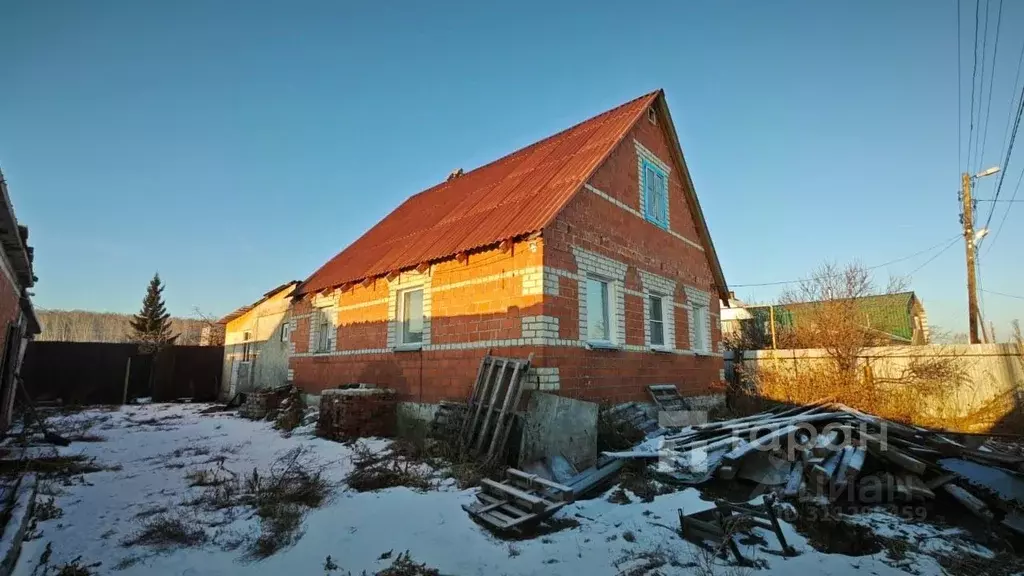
(829, 454)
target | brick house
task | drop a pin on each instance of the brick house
(18, 322)
(588, 249)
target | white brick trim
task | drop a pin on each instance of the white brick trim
(645, 154)
(326, 311)
(641, 216)
(593, 265)
(539, 326)
(503, 343)
(666, 289)
(703, 299)
(542, 378)
(408, 281)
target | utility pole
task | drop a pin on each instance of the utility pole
(972, 290)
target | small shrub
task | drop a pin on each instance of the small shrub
(47, 509)
(403, 565)
(167, 531)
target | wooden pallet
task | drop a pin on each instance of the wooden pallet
(492, 403)
(667, 397)
(521, 501)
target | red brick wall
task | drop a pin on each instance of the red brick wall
(471, 301)
(492, 310)
(596, 224)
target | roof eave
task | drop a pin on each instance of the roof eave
(692, 200)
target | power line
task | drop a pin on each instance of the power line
(991, 78)
(939, 253)
(1013, 198)
(1006, 159)
(1003, 294)
(974, 82)
(959, 93)
(994, 200)
(882, 265)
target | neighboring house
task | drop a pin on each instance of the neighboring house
(587, 249)
(734, 311)
(899, 318)
(18, 322)
(256, 343)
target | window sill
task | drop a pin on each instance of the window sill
(661, 349)
(703, 353)
(602, 345)
(408, 347)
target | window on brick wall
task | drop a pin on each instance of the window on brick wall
(323, 334)
(655, 184)
(701, 329)
(599, 310)
(656, 319)
(246, 346)
(410, 317)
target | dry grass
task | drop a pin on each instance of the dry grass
(168, 531)
(924, 382)
(377, 471)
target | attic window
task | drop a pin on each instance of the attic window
(652, 116)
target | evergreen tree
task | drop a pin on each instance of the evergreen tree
(152, 325)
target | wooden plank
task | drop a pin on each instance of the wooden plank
(881, 449)
(532, 479)
(822, 473)
(739, 452)
(796, 480)
(493, 398)
(916, 488)
(504, 425)
(533, 503)
(470, 430)
(976, 506)
(940, 481)
(825, 444)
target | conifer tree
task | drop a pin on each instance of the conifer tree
(152, 325)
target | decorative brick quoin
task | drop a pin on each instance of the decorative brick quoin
(588, 249)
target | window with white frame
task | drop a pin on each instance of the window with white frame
(286, 331)
(656, 319)
(701, 329)
(410, 317)
(655, 190)
(323, 334)
(246, 346)
(599, 310)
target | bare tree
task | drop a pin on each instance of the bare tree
(828, 313)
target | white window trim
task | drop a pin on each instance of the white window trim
(593, 264)
(400, 315)
(701, 299)
(404, 282)
(613, 331)
(320, 314)
(666, 305)
(664, 288)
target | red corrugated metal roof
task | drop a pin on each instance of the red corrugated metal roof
(510, 197)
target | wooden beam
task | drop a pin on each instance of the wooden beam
(423, 267)
(462, 258)
(505, 246)
(368, 282)
(393, 275)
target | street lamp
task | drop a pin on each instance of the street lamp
(987, 172)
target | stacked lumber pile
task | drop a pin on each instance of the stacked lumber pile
(826, 452)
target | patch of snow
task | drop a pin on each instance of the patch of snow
(150, 449)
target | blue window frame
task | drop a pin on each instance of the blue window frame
(655, 191)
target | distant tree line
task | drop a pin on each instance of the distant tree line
(85, 326)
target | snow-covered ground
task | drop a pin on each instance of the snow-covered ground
(148, 451)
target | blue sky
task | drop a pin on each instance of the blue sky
(236, 145)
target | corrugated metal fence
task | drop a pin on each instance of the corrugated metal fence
(101, 373)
